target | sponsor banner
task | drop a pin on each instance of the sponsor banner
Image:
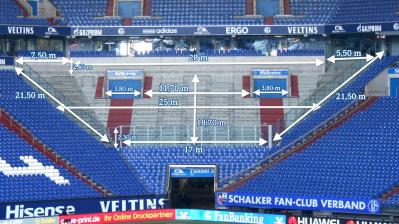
(269, 73)
(34, 30)
(80, 206)
(196, 30)
(230, 217)
(361, 206)
(393, 71)
(323, 220)
(199, 30)
(7, 61)
(125, 74)
(120, 217)
(47, 220)
(362, 28)
(192, 172)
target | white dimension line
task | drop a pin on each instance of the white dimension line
(194, 138)
(104, 137)
(116, 137)
(316, 62)
(333, 59)
(260, 142)
(278, 136)
(243, 93)
(135, 93)
(63, 60)
(188, 107)
(283, 92)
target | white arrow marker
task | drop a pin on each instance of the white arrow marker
(194, 138)
(333, 59)
(282, 92)
(62, 107)
(243, 93)
(34, 168)
(278, 136)
(63, 60)
(187, 107)
(316, 62)
(135, 93)
(116, 137)
(260, 142)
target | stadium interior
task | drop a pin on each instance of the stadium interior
(202, 108)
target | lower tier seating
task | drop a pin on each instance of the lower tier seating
(28, 175)
(357, 160)
(54, 129)
(151, 162)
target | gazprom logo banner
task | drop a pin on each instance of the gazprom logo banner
(6, 60)
(230, 217)
(299, 203)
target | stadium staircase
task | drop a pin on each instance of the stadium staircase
(110, 7)
(334, 76)
(271, 116)
(67, 90)
(14, 126)
(24, 9)
(391, 193)
(307, 139)
(249, 7)
(120, 117)
(147, 7)
(99, 88)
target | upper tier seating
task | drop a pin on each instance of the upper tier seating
(43, 120)
(357, 160)
(201, 12)
(151, 162)
(309, 12)
(360, 11)
(340, 11)
(210, 12)
(10, 13)
(27, 182)
(85, 13)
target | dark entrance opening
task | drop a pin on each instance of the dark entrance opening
(192, 193)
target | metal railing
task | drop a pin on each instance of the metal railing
(236, 132)
(323, 90)
(61, 97)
